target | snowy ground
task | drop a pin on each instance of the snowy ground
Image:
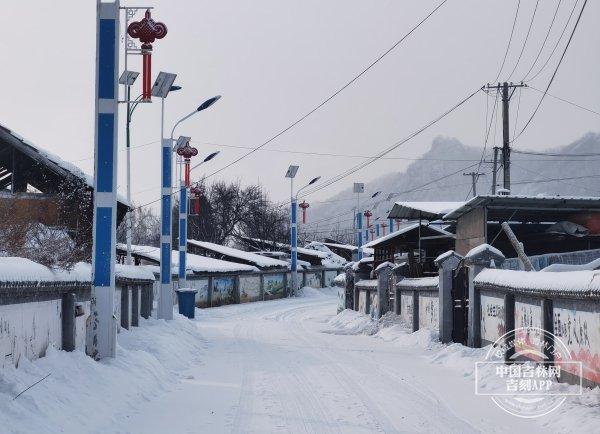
(278, 366)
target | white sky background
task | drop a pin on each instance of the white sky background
(273, 60)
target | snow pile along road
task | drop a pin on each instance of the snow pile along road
(82, 395)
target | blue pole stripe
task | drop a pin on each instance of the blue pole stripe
(104, 175)
(166, 210)
(181, 264)
(103, 246)
(166, 166)
(165, 273)
(106, 58)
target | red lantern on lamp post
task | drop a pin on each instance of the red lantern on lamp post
(368, 215)
(304, 206)
(187, 152)
(383, 226)
(147, 31)
(196, 192)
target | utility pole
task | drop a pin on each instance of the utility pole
(507, 89)
(495, 172)
(474, 177)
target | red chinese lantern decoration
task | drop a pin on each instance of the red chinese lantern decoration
(304, 206)
(368, 215)
(187, 152)
(196, 193)
(383, 226)
(147, 31)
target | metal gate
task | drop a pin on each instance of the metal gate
(460, 297)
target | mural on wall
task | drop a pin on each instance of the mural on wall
(492, 317)
(27, 329)
(406, 307)
(528, 314)
(329, 277)
(429, 310)
(313, 280)
(223, 289)
(250, 289)
(200, 285)
(274, 285)
(577, 324)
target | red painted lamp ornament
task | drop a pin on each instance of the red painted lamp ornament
(187, 152)
(368, 215)
(147, 31)
(196, 192)
(383, 226)
(304, 206)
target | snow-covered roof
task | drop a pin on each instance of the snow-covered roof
(475, 251)
(407, 228)
(253, 258)
(579, 283)
(52, 160)
(419, 282)
(195, 263)
(529, 208)
(425, 210)
(341, 246)
(133, 272)
(15, 269)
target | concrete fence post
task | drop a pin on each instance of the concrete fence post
(367, 301)
(68, 321)
(509, 325)
(135, 306)
(237, 296)
(125, 306)
(349, 288)
(478, 259)
(384, 282)
(415, 315)
(447, 264)
(323, 279)
(397, 294)
(285, 285)
(147, 300)
(209, 294)
(548, 325)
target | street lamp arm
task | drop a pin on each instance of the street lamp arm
(180, 121)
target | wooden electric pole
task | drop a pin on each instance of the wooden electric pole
(507, 89)
(474, 177)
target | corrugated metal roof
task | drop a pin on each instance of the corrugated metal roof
(527, 208)
(423, 210)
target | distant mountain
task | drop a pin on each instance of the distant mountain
(530, 175)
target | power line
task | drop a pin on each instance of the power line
(567, 101)
(545, 39)
(557, 42)
(526, 39)
(396, 145)
(509, 41)
(333, 95)
(551, 154)
(554, 73)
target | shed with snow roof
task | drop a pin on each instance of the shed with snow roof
(40, 187)
(544, 224)
(421, 243)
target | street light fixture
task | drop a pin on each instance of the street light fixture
(183, 193)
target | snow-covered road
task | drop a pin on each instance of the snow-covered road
(283, 366)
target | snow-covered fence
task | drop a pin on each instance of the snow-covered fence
(220, 288)
(418, 302)
(40, 307)
(566, 304)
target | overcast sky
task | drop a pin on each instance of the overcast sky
(274, 60)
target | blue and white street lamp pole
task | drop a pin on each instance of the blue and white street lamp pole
(291, 173)
(101, 334)
(183, 219)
